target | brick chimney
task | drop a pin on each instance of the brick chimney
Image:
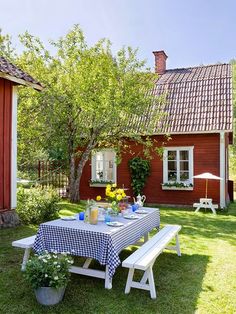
(160, 61)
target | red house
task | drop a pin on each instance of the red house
(10, 78)
(199, 120)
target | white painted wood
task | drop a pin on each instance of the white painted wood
(222, 169)
(151, 283)
(165, 162)
(14, 148)
(87, 272)
(87, 262)
(205, 203)
(108, 281)
(20, 81)
(25, 258)
(145, 257)
(24, 243)
(27, 244)
(129, 280)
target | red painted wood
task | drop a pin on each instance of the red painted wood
(1, 140)
(206, 159)
(5, 143)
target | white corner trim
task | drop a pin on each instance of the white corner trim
(222, 169)
(14, 148)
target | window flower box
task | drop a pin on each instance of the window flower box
(99, 183)
(177, 186)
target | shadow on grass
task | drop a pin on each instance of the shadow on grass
(178, 284)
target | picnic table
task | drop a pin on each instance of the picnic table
(100, 242)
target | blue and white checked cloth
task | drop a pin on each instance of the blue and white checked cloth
(100, 242)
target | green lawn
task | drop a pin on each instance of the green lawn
(203, 280)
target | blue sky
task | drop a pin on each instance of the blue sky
(191, 32)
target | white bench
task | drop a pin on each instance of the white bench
(27, 244)
(206, 203)
(144, 258)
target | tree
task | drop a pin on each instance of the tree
(92, 98)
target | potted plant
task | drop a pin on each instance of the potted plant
(48, 274)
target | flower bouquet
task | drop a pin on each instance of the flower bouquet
(114, 196)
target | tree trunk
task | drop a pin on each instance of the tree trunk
(75, 182)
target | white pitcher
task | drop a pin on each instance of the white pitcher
(140, 200)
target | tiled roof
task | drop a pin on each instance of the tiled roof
(198, 99)
(13, 71)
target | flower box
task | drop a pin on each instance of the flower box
(177, 188)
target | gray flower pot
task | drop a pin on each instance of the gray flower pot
(49, 295)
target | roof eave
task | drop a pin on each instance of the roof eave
(21, 81)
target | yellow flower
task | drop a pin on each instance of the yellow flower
(120, 191)
(112, 195)
(114, 185)
(123, 195)
(119, 197)
(98, 198)
(108, 187)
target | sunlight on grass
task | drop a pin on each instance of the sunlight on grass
(202, 280)
(69, 209)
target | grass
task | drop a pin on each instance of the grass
(202, 281)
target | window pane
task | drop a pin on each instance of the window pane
(99, 170)
(184, 175)
(172, 155)
(184, 165)
(183, 155)
(172, 175)
(172, 165)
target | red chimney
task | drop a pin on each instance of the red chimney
(160, 61)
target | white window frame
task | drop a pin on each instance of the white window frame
(165, 163)
(93, 165)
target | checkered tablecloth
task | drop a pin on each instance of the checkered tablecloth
(100, 242)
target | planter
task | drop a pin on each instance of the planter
(49, 295)
(175, 188)
(98, 185)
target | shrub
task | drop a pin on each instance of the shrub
(37, 204)
(140, 170)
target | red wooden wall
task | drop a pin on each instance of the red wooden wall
(205, 158)
(5, 143)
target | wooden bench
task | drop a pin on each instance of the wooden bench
(27, 244)
(144, 258)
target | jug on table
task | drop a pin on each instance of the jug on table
(140, 200)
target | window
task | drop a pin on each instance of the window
(178, 165)
(104, 166)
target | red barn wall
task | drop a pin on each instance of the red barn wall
(206, 158)
(5, 143)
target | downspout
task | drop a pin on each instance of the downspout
(222, 169)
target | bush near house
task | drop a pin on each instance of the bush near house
(37, 204)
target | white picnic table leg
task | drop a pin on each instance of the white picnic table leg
(25, 258)
(108, 281)
(129, 280)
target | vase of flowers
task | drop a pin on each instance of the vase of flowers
(48, 274)
(114, 196)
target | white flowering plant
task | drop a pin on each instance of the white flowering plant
(48, 270)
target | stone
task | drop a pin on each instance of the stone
(9, 218)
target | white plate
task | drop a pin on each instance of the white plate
(141, 211)
(115, 224)
(131, 216)
(68, 218)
